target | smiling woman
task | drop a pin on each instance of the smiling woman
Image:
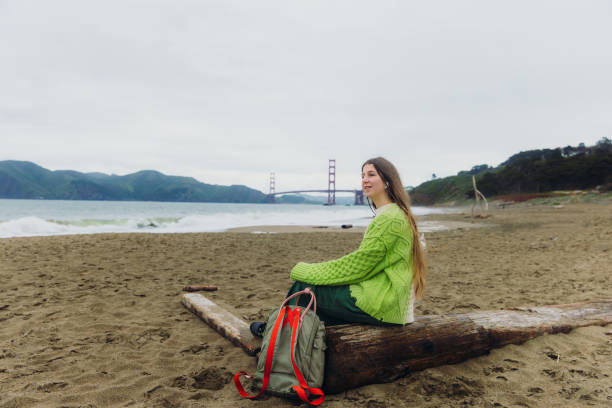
(373, 185)
(383, 170)
(377, 283)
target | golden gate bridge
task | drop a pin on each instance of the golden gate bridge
(331, 188)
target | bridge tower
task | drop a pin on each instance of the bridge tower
(331, 183)
(358, 197)
(271, 198)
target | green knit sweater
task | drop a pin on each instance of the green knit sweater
(379, 273)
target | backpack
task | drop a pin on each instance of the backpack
(292, 354)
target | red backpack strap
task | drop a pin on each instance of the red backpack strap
(302, 390)
(269, 357)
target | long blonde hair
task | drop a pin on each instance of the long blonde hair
(396, 192)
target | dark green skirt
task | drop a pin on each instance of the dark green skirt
(335, 305)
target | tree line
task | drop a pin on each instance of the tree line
(536, 171)
(532, 171)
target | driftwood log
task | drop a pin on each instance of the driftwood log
(198, 288)
(358, 355)
(229, 326)
(477, 197)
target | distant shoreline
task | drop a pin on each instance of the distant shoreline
(425, 226)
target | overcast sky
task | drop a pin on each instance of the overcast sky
(229, 91)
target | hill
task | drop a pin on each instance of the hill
(533, 172)
(26, 180)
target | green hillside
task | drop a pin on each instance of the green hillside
(26, 180)
(529, 172)
(441, 190)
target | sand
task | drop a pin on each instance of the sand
(95, 320)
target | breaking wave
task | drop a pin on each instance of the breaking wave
(61, 218)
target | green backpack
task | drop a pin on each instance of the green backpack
(292, 359)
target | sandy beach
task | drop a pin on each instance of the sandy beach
(96, 320)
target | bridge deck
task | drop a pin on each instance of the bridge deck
(316, 191)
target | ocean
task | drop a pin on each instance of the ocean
(23, 218)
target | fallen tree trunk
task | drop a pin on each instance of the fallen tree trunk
(229, 326)
(357, 355)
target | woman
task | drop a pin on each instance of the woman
(378, 282)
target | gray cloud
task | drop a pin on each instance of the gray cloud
(229, 91)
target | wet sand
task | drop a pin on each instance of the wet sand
(96, 321)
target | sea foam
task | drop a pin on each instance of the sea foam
(37, 217)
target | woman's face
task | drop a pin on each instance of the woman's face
(371, 183)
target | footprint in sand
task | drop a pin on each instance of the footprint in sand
(375, 404)
(195, 349)
(535, 390)
(152, 335)
(212, 378)
(510, 365)
(51, 387)
(201, 396)
(552, 354)
(582, 373)
(180, 382)
(453, 387)
(569, 393)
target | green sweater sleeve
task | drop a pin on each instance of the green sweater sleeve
(352, 268)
